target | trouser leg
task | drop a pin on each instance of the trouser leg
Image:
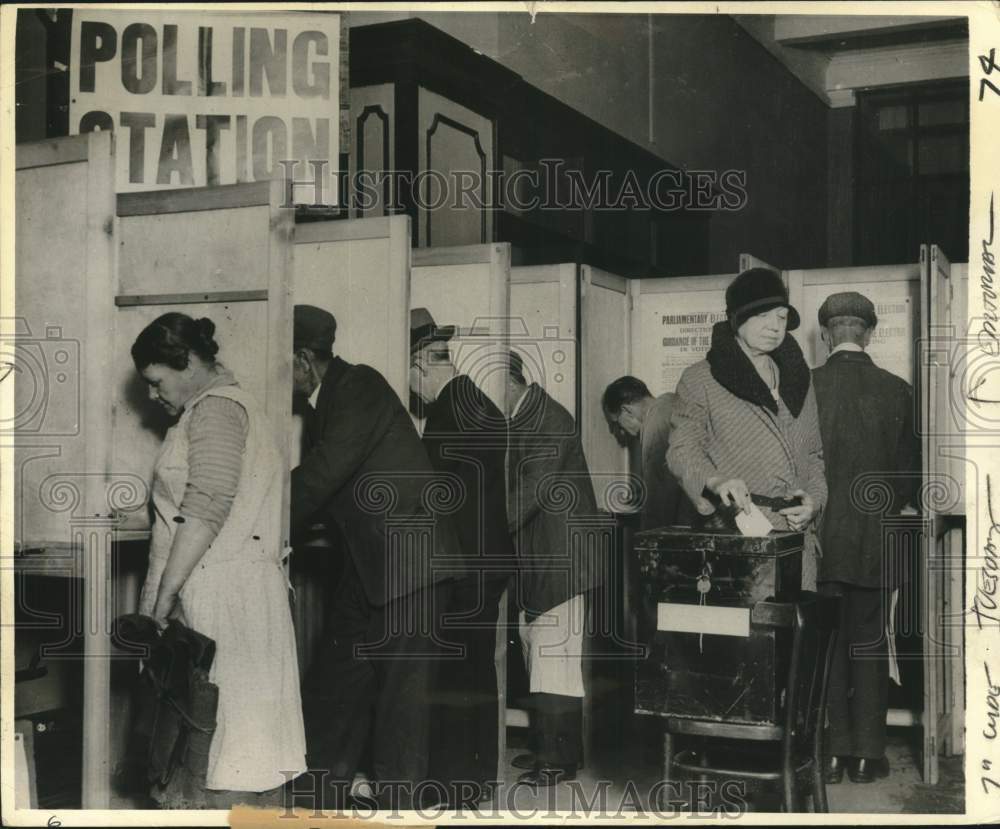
(337, 694)
(464, 739)
(558, 726)
(405, 663)
(869, 671)
(839, 740)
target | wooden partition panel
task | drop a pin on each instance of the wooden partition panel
(222, 253)
(895, 292)
(469, 287)
(606, 346)
(359, 271)
(64, 253)
(543, 328)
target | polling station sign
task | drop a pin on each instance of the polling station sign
(198, 98)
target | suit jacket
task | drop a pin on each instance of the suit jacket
(665, 503)
(465, 435)
(551, 506)
(870, 446)
(369, 474)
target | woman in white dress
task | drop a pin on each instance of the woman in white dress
(216, 560)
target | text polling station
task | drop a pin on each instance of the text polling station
(220, 98)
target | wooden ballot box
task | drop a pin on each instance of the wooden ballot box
(703, 617)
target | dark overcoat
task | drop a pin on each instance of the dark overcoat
(368, 473)
(872, 464)
(465, 435)
(551, 506)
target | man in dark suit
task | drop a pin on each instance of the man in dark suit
(466, 439)
(551, 510)
(633, 414)
(866, 422)
(367, 472)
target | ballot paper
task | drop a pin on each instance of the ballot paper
(753, 522)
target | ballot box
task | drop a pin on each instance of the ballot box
(702, 614)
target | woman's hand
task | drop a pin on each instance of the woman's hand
(166, 600)
(732, 492)
(799, 517)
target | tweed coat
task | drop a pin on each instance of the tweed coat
(550, 506)
(772, 447)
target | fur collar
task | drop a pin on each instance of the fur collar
(732, 369)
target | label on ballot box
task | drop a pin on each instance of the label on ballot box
(693, 618)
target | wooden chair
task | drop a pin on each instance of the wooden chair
(789, 754)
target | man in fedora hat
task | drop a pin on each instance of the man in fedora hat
(866, 422)
(551, 511)
(465, 435)
(365, 469)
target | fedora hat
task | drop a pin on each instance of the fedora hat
(423, 329)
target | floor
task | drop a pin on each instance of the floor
(622, 784)
(622, 780)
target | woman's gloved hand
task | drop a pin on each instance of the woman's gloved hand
(798, 518)
(733, 492)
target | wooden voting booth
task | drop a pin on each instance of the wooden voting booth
(223, 253)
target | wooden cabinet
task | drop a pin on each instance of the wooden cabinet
(438, 114)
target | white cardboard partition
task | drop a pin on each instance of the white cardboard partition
(469, 287)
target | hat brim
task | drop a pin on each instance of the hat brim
(761, 306)
(427, 334)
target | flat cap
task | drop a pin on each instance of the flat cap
(848, 304)
(313, 327)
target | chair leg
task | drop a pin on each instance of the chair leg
(668, 767)
(788, 784)
(819, 789)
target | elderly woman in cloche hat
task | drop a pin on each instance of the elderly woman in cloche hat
(745, 429)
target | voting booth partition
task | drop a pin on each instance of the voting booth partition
(121, 262)
(359, 271)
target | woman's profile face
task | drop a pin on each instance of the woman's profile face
(168, 386)
(764, 332)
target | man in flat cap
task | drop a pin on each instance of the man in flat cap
(367, 472)
(465, 435)
(866, 422)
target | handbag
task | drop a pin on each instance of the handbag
(175, 701)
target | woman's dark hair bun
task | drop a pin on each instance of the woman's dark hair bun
(206, 328)
(171, 339)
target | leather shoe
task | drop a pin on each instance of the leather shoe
(548, 775)
(834, 770)
(868, 769)
(524, 761)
